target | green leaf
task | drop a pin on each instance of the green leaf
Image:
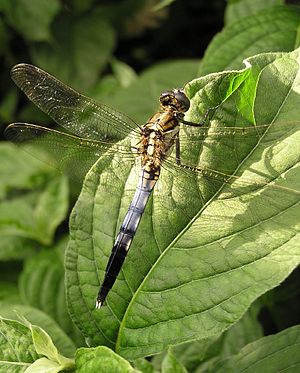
(124, 73)
(144, 366)
(33, 202)
(275, 353)
(205, 249)
(36, 215)
(162, 4)
(32, 18)
(16, 248)
(37, 317)
(270, 30)
(16, 347)
(82, 49)
(8, 103)
(20, 171)
(53, 202)
(9, 292)
(44, 346)
(171, 365)
(42, 286)
(246, 330)
(101, 359)
(201, 355)
(237, 9)
(3, 42)
(44, 365)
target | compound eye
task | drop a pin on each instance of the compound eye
(182, 99)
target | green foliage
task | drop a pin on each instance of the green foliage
(31, 18)
(35, 316)
(101, 359)
(208, 252)
(22, 347)
(278, 352)
(17, 352)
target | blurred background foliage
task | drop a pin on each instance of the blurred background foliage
(98, 47)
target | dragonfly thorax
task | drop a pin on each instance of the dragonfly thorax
(157, 138)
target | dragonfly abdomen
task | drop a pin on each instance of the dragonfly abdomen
(127, 231)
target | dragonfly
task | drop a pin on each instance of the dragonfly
(97, 130)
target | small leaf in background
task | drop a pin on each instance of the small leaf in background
(275, 353)
(82, 49)
(124, 74)
(44, 365)
(101, 360)
(42, 286)
(9, 293)
(8, 105)
(44, 346)
(30, 191)
(52, 202)
(238, 9)
(144, 366)
(32, 18)
(63, 342)
(3, 37)
(171, 365)
(16, 248)
(270, 30)
(140, 99)
(27, 215)
(162, 4)
(17, 351)
(20, 171)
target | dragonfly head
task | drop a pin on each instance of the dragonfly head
(176, 99)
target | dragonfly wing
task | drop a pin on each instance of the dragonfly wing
(206, 198)
(71, 154)
(247, 133)
(259, 176)
(71, 110)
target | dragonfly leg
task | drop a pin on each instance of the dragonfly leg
(203, 120)
(177, 150)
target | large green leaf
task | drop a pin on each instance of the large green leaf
(270, 30)
(275, 353)
(205, 249)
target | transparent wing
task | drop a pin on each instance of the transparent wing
(259, 176)
(71, 110)
(189, 135)
(71, 154)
